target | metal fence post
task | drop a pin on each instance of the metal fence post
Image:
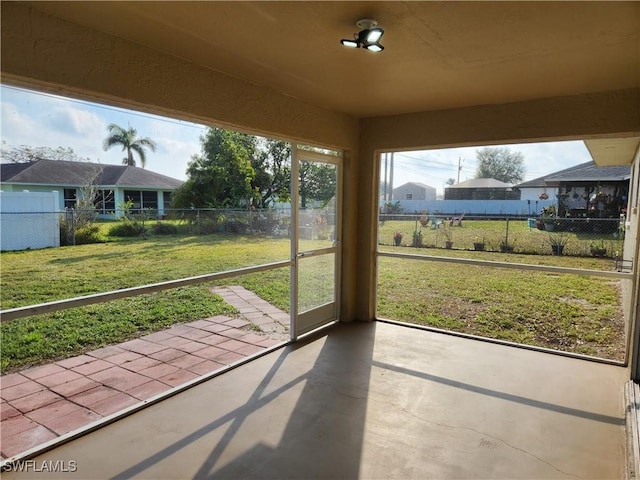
(73, 227)
(506, 236)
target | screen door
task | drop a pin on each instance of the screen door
(315, 248)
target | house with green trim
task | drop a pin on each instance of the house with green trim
(116, 184)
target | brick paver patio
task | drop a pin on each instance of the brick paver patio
(41, 403)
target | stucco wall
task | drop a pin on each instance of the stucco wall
(533, 194)
(417, 192)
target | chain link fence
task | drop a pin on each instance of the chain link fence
(601, 237)
(76, 227)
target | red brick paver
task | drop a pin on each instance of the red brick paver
(21, 390)
(12, 380)
(92, 367)
(35, 400)
(53, 410)
(8, 411)
(43, 371)
(71, 422)
(149, 389)
(46, 401)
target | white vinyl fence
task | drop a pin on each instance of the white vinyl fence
(522, 208)
(27, 220)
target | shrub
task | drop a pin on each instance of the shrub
(265, 222)
(126, 228)
(417, 239)
(88, 233)
(66, 232)
(164, 229)
(84, 233)
(237, 226)
(206, 226)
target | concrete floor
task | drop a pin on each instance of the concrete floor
(372, 400)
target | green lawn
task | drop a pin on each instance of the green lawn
(572, 313)
(494, 232)
(38, 276)
(502, 304)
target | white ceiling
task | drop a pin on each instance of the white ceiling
(613, 151)
(438, 55)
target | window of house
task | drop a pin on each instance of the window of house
(150, 199)
(70, 198)
(105, 201)
(142, 199)
(166, 200)
(409, 196)
(135, 197)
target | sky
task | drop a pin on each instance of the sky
(44, 120)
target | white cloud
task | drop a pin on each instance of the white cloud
(41, 120)
(17, 127)
(35, 119)
(73, 121)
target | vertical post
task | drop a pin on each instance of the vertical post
(506, 236)
(295, 212)
(73, 226)
(386, 178)
(459, 168)
(391, 178)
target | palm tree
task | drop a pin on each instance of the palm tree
(129, 141)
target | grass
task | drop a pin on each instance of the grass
(42, 338)
(564, 312)
(578, 314)
(493, 233)
(38, 276)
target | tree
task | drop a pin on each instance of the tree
(221, 175)
(451, 181)
(236, 170)
(77, 225)
(317, 182)
(273, 172)
(130, 143)
(500, 163)
(27, 154)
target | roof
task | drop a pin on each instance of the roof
(417, 184)
(75, 174)
(481, 183)
(590, 172)
(584, 172)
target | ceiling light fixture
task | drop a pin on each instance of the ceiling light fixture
(368, 37)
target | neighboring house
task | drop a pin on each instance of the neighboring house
(584, 190)
(116, 184)
(536, 190)
(480, 189)
(414, 191)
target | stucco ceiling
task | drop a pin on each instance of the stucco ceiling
(438, 55)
